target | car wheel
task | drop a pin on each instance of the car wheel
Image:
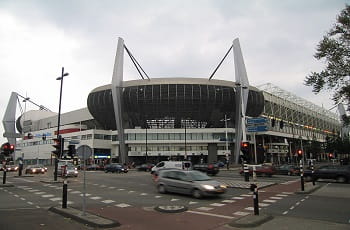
(196, 193)
(161, 189)
(341, 179)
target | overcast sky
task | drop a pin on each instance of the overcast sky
(168, 38)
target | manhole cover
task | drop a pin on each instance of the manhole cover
(170, 208)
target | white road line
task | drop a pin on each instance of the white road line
(291, 208)
(56, 199)
(288, 193)
(86, 194)
(108, 201)
(131, 191)
(210, 214)
(285, 212)
(241, 213)
(174, 199)
(192, 202)
(269, 201)
(217, 204)
(111, 187)
(276, 198)
(69, 189)
(297, 203)
(103, 186)
(282, 195)
(33, 190)
(29, 202)
(48, 195)
(302, 199)
(238, 198)
(122, 205)
(39, 193)
(249, 208)
(157, 197)
(95, 198)
(228, 201)
(16, 195)
(22, 198)
(75, 192)
(264, 204)
(246, 195)
(205, 208)
(37, 206)
(143, 194)
(121, 189)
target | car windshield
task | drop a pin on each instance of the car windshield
(198, 176)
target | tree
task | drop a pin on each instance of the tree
(334, 49)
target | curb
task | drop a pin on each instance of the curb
(7, 185)
(170, 208)
(89, 219)
(309, 190)
(250, 221)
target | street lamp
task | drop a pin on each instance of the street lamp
(226, 139)
(59, 120)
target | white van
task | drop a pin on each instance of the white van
(184, 165)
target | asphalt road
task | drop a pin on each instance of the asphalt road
(123, 195)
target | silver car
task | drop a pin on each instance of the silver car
(192, 182)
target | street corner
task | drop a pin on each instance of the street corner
(309, 188)
(85, 218)
(250, 221)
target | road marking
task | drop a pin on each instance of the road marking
(39, 193)
(103, 186)
(246, 195)
(241, 213)
(264, 205)
(22, 198)
(276, 198)
(95, 198)
(269, 201)
(111, 187)
(238, 198)
(75, 192)
(291, 208)
(143, 194)
(249, 208)
(46, 196)
(16, 195)
(108, 201)
(228, 201)
(174, 199)
(157, 197)
(288, 193)
(121, 189)
(122, 205)
(285, 212)
(217, 204)
(297, 203)
(283, 195)
(210, 214)
(29, 202)
(192, 202)
(205, 208)
(86, 194)
(69, 189)
(27, 188)
(37, 206)
(302, 199)
(56, 199)
(33, 190)
(95, 184)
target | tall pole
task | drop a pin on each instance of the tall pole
(146, 144)
(59, 121)
(185, 143)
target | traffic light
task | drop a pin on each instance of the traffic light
(331, 156)
(71, 151)
(245, 147)
(59, 146)
(300, 152)
(7, 149)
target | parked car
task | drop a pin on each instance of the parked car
(145, 167)
(261, 170)
(190, 182)
(340, 173)
(34, 169)
(291, 170)
(70, 171)
(210, 169)
(116, 168)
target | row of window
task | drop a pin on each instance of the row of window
(140, 148)
(179, 136)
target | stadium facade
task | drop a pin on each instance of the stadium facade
(177, 118)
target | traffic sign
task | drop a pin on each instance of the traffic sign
(256, 120)
(258, 128)
(84, 152)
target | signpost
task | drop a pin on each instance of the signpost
(254, 125)
(84, 152)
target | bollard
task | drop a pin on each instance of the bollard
(254, 189)
(301, 175)
(64, 196)
(312, 172)
(4, 176)
(246, 172)
(254, 173)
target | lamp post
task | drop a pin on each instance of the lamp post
(226, 139)
(59, 120)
